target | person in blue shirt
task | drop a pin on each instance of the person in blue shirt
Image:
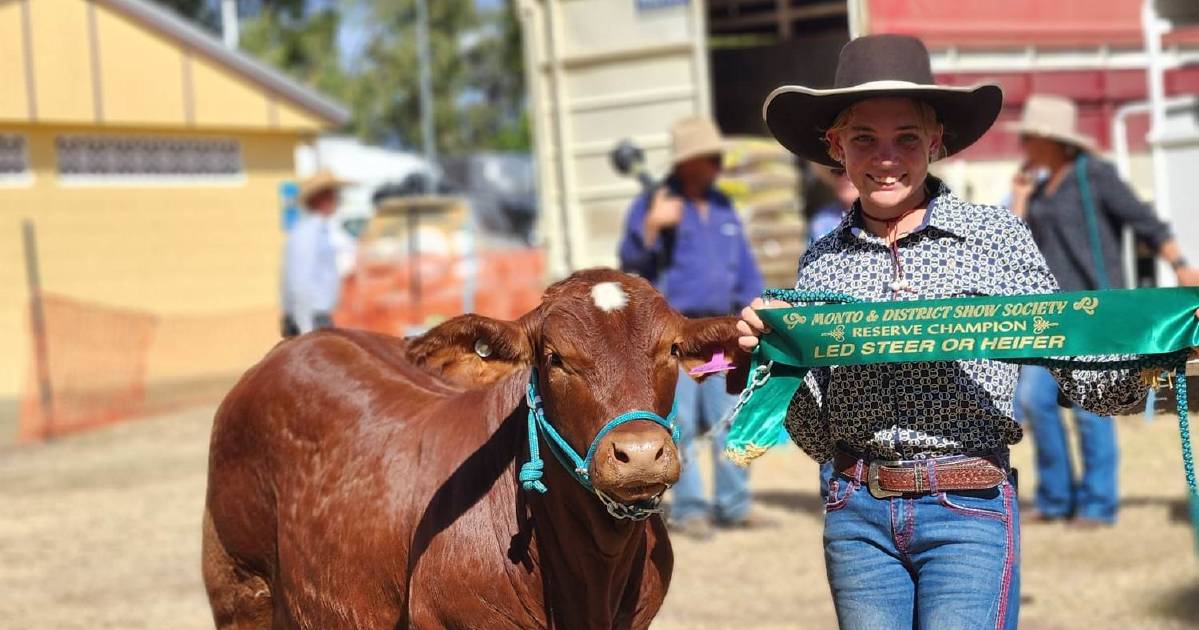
(687, 240)
(311, 282)
(828, 217)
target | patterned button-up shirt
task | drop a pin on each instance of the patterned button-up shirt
(929, 409)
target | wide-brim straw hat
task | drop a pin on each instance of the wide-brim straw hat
(1052, 117)
(320, 181)
(879, 66)
(692, 137)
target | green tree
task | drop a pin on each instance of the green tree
(386, 100)
(476, 64)
(477, 76)
(198, 11)
(496, 70)
(304, 44)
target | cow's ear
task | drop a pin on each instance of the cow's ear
(472, 350)
(703, 338)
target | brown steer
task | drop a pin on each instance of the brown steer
(356, 481)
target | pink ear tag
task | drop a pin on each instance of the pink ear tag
(717, 364)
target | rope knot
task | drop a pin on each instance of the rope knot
(530, 476)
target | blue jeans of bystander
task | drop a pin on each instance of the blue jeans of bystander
(1058, 495)
(701, 407)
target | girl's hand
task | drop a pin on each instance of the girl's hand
(751, 326)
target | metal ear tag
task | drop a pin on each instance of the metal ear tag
(482, 348)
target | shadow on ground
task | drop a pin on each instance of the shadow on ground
(1179, 510)
(1180, 604)
(791, 500)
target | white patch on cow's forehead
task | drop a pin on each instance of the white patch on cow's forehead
(609, 296)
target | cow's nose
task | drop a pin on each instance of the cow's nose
(640, 460)
(640, 453)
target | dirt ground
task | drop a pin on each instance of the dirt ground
(101, 530)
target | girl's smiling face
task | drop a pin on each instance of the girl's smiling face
(886, 145)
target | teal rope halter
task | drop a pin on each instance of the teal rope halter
(794, 296)
(580, 467)
(1174, 362)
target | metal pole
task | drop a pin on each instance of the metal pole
(856, 18)
(426, 91)
(414, 288)
(563, 150)
(38, 323)
(1127, 242)
(229, 31)
(1153, 27)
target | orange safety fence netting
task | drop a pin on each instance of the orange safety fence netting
(107, 364)
(379, 295)
(96, 366)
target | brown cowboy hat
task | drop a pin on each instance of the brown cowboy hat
(320, 181)
(878, 66)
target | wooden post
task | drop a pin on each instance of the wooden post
(38, 323)
(414, 288)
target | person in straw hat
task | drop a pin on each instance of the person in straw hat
(686, 239)
(311, 283)
(1077, 213)
(934, 542)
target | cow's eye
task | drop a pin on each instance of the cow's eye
(555, 359)
(676, 351)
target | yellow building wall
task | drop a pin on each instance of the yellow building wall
(14, 99)
(153, 95)
(62, 60)
(225, 99)
(190, 253)
(291, 117)
(98, 66)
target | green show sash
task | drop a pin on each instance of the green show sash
(1087, 323)
(1157, 325)
(1149, 322)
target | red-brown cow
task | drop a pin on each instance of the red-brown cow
(358, 481)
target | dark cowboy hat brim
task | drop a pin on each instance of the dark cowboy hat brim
(799, 116)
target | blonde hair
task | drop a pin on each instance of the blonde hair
(926, 113)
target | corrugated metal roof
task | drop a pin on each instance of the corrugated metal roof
(179, 29)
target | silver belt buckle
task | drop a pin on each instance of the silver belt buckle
(872, 480)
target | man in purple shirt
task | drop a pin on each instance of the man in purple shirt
(687, 240)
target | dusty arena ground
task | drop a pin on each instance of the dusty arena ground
(101, 530)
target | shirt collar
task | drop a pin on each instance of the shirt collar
(939, 216)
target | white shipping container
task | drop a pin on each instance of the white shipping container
(600, 71)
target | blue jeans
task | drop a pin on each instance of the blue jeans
(701, 407)
(826, 475)
(939, 561)
(1058, 494)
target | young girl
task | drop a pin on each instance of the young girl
(921, 525)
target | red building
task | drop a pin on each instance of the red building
(1088, 50)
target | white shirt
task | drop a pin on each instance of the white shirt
(311, 283)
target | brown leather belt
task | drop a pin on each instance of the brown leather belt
(892, 479)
